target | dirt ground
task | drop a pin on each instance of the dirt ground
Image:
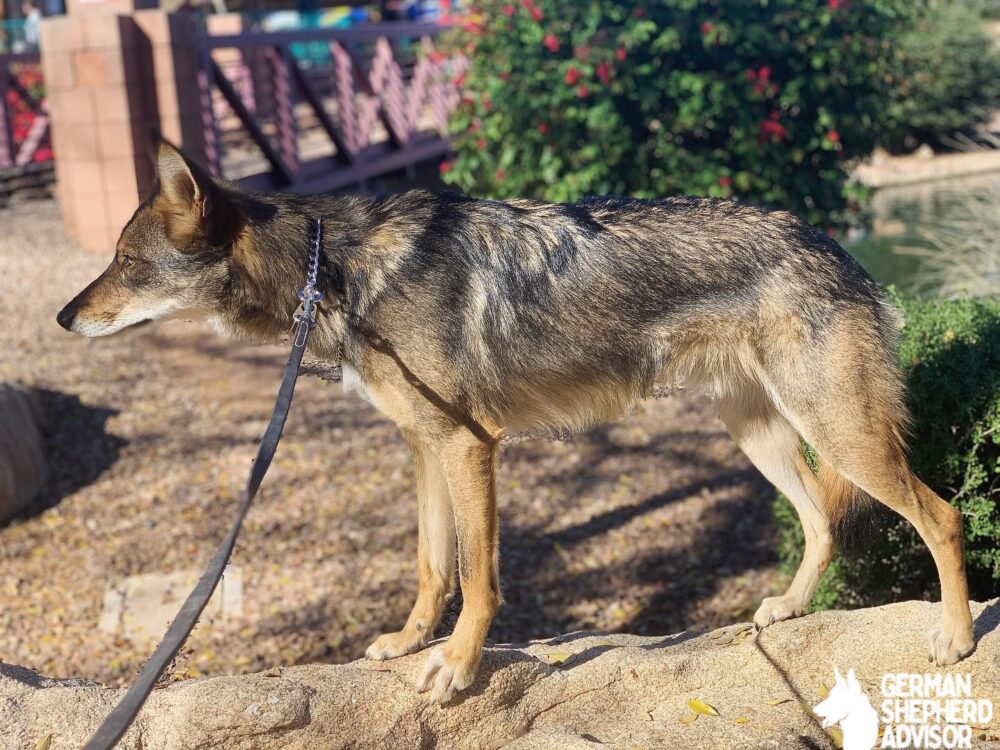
(651, 525)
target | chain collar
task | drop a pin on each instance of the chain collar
(309, 294)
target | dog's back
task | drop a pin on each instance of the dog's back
(563, 315)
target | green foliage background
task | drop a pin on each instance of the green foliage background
(948, 75)
(950, 352)
(758, 99)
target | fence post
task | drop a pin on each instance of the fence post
(6, 132)
(278, 61)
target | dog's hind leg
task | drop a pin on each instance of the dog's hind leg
(874, 459)
(775, 448)
(435, 558)
(852, 412)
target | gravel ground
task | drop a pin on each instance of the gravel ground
(654, 524)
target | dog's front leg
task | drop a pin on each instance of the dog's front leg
(435, 557)
(469, 465)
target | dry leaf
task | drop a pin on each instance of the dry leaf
(824, 691)
(837, 736)
(45, 743)
(559, 658)
(688, 718)
(741, 720)
(777, 701)
(700, 707)
(273, 672)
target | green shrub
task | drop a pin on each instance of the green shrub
(762, 99)
(948, 76)
(950, 352)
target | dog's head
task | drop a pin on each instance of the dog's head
(172, 257)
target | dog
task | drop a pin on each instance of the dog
(460, 319)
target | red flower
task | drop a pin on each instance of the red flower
(706, 27)
(473, 28)
(834, 136)
(543, 128)
(474, 126)
(639, 12)
(505, 76)
(445, 167)
(582, 91)
(501, 174)
(620, 54)
(551, 43)
(509, 10)
(771, 130)
(572, 76)
(725, 180)
(764, 72)
(480, 143)
(751, 75)
(604, 72)
(838, 4)
(536, 14)
(460, 79)
(526, 4)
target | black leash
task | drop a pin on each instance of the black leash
(119, 720)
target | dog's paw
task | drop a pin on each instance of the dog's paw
(950, 644)
(775, 609)
(446, 673)
(391, 645)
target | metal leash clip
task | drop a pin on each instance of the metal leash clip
(309, 294)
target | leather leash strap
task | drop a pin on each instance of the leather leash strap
(119, 720)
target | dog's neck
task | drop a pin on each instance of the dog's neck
(269, 264)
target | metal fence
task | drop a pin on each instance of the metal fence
(364, 101)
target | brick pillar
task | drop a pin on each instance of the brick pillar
(111, 79)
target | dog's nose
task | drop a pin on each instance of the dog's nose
(66, 316)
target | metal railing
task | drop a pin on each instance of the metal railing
(379, 103)
(24, 118)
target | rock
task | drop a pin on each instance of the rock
(616, 691)
(22, 451)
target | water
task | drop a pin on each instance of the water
(902, 218)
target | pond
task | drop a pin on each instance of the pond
(940, 237)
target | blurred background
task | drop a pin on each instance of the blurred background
(120, 459)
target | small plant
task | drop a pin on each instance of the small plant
(765, 101)
(950, 352)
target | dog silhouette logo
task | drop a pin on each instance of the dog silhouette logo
(848, 706)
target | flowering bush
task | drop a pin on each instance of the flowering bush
(763, 99)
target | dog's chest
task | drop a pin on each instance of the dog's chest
(352, 381)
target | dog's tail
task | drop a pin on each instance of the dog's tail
(850, 511)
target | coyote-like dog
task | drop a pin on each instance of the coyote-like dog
(461, 318)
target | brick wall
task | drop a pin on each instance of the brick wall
(112, 79)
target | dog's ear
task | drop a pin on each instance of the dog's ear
(182, 183)
(192, 205)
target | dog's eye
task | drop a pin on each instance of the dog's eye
(126, 261)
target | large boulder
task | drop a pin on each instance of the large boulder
(22, 450)
(575, 691)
